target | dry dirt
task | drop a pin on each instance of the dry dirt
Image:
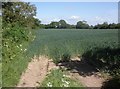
(38, 68)
(36, 72)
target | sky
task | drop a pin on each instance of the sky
(69, 0)
(72, 12)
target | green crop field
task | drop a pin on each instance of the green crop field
(98, 47)
(58, 44)
(25, 37)
(62, 45)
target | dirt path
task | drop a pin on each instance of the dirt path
(79, 70)
(84, 73)
(88, 81)
(36, 72)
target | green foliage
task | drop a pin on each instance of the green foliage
(59, 79)
(60, 25)
(82, 25)
(105, 25)
(98, 47)
(106, 59)
(15, 60)
(17, 18)
(62, 44)
(0, 75)
(20, 12)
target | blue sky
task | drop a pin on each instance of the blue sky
(92, 12)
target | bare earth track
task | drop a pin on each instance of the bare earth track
(36, 72)
(87, 75)
(38, 68)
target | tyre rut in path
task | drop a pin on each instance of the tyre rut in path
(36, 72)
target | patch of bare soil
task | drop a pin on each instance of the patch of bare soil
(36, 72)
(81, 71)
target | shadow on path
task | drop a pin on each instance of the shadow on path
(79, 66)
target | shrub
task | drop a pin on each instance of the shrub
(14, 46)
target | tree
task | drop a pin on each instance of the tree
(18, 12)
(54, 24)
(71, 26)
(82, 25)
(37, 23)
(118, 26)
(62, 24)
(104, 25)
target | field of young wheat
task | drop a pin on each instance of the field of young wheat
(98, 46)
(63, 44)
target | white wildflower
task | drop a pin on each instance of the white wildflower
(17, 46)
(49, 84)
(20, 45)
(65, 85)
(21, 49)
(25, 49)
(64, 75)
(6, 46)
(63, 80)
(67, 82)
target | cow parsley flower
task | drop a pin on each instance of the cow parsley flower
(20, 45)
(49, 84)
(25, 49)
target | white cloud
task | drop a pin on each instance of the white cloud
(55, 19)
(100, 20)
(45, 21)
(74, 17)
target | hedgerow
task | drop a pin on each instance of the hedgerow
(17, 24)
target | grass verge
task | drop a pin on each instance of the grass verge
(58, 78)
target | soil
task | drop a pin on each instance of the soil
(79, 70)
(36, 72)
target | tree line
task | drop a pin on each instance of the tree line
(62, 24)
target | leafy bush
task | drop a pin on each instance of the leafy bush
(14, 47)
(17, 22)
